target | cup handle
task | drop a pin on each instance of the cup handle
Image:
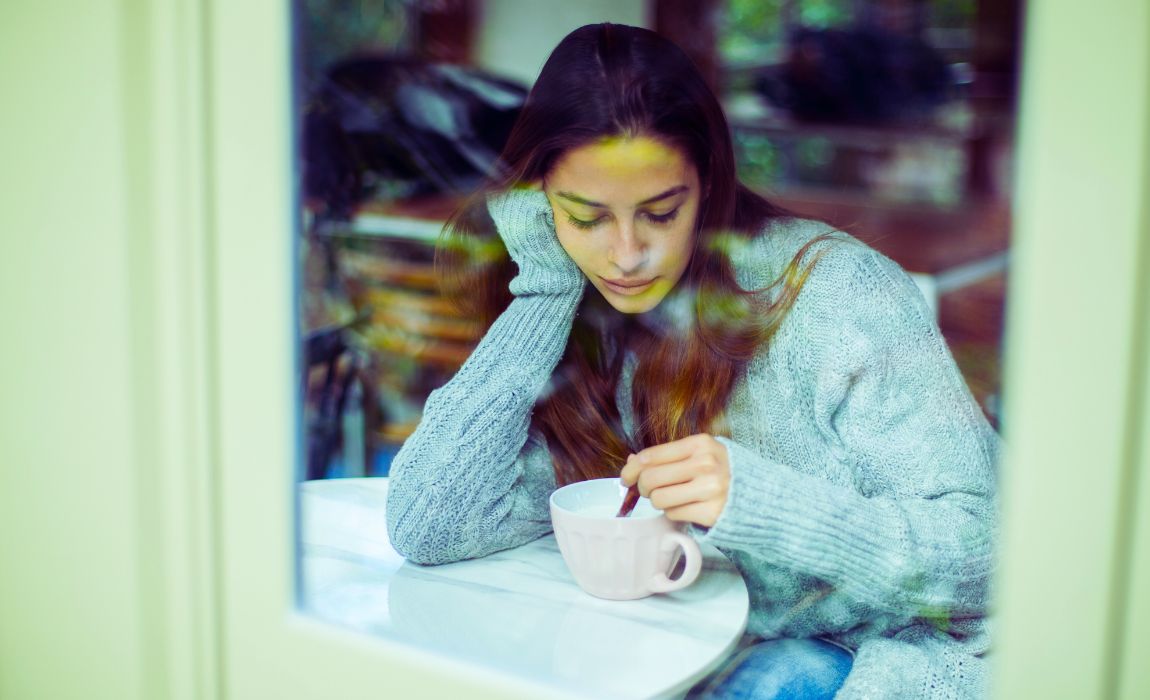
(693, 563)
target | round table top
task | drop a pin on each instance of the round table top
(517, 611)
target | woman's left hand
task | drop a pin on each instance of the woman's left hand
(687, 479)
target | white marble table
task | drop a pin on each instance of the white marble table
(517, 611)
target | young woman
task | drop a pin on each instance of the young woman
(780, 386)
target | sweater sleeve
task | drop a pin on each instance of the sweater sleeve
(909, 533)
(915, 664)
(472, 479)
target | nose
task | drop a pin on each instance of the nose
(628, 251)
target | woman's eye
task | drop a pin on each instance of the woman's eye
(580, 223)
(663, 218)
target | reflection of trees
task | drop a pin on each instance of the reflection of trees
(328, 30)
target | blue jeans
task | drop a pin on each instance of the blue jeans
(781, 669)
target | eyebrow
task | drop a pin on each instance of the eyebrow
(598, 205)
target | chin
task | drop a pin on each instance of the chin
(632, 305)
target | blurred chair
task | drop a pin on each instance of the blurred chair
(386, 130)
(414, 337)
(340, 405)
(400, 126)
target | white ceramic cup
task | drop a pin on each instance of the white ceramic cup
(620, 558)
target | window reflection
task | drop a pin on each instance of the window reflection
(891, 119)
(395, 128)
(895, 120)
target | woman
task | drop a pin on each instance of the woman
(779, 386)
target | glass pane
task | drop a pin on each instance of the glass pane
(895, 122)
(892, 121)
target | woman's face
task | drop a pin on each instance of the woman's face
(625, 211)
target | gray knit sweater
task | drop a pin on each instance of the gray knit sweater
(862, 500)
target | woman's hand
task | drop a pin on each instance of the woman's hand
(526, 223)
(687, 479)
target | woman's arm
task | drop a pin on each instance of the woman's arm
(911, 531)
(886, 540)
(908, 532)
(468, 481)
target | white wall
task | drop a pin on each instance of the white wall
(516, 36)
(70, 603)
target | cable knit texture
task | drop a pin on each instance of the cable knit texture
(862, 501)
(527, 226)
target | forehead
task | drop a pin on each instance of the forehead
(608, 163)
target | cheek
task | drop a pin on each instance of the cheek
(575, 244)
(677, 252)
(565, 239)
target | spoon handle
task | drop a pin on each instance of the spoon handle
(629, 501)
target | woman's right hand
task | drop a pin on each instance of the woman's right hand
(526, 223)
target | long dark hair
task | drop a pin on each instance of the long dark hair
(616, 80)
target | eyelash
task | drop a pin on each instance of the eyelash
(579, 223)
(657, 219)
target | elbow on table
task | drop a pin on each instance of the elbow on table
(428, 523)
(419, 530)
(419, 541)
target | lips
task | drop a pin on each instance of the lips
(627, 287)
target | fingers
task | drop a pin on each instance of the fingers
(705, 513)
(654, 478)
(667, 498)
(651, 476)
(687, 479)
(674, 451)
(697, 454)
(631, 470)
